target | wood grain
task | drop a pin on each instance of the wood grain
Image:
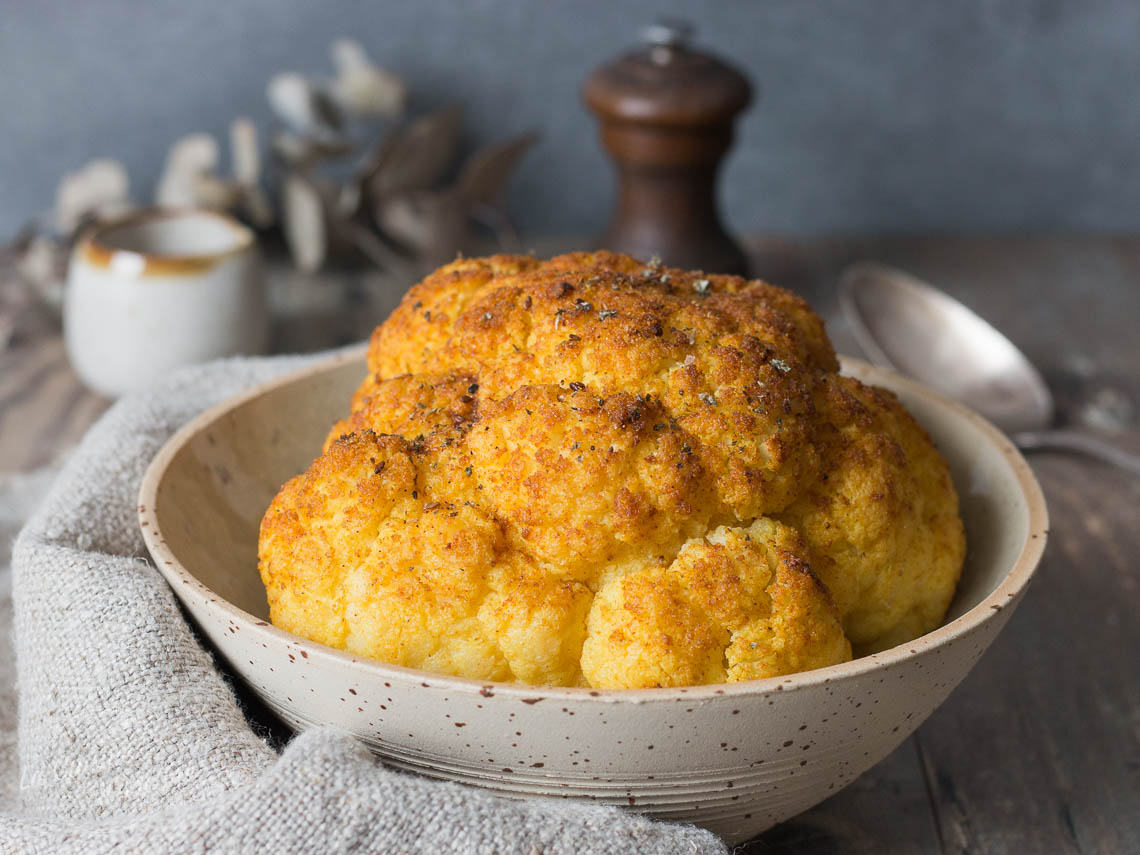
(1039, 749)
(44, 410)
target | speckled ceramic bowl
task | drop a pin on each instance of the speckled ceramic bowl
(734, 758)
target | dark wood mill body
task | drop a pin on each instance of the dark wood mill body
(667, 115)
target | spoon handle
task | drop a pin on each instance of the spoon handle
(1079, 443)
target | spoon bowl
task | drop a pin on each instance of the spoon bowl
(903, 323)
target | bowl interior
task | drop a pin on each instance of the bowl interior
(210, 500)
(220, 478)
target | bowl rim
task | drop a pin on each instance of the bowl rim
(1006, 593)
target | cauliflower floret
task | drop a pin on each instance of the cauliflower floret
(596, 471)
(581, 482)
(410, 405)
(739, 604)
(882, 520)
(539, 621)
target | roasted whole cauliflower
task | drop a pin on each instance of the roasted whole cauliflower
(599, 472)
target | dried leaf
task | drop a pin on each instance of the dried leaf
(43, 264)
(245, 156)
(100, 187)
(244, 152)
(300, 152)
(303, 216)
(257, 207)
(361, 88)
(210, 191)
(431, 224)
(485, 173)
(188, 160)
(415, 157)
(301, 106)
(369, 244)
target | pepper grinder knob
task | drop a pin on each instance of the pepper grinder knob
(666, 116)
(667, 33)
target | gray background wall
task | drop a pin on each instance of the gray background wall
(877, 115)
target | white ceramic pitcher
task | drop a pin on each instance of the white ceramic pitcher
(159, 289)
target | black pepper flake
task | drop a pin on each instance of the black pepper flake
(607, 313)
(415, 494)
(565, 288)
(473, 388)
(467, 471)
(577, 387)
(708, 399)
(427, 316)
(379, 467)
(575, 446)
(527, 302)
(431, 506)
(701, 286)
(659, 426)
(487, 316)
(780, 365)
(583, 305)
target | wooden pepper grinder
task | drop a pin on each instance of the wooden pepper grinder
(667, 116)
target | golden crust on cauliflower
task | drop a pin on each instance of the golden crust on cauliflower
(737, 604)
(883, 524)
(596, 471)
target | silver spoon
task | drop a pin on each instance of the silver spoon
(906, 324)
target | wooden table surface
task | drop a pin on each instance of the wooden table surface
(1038, 751)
